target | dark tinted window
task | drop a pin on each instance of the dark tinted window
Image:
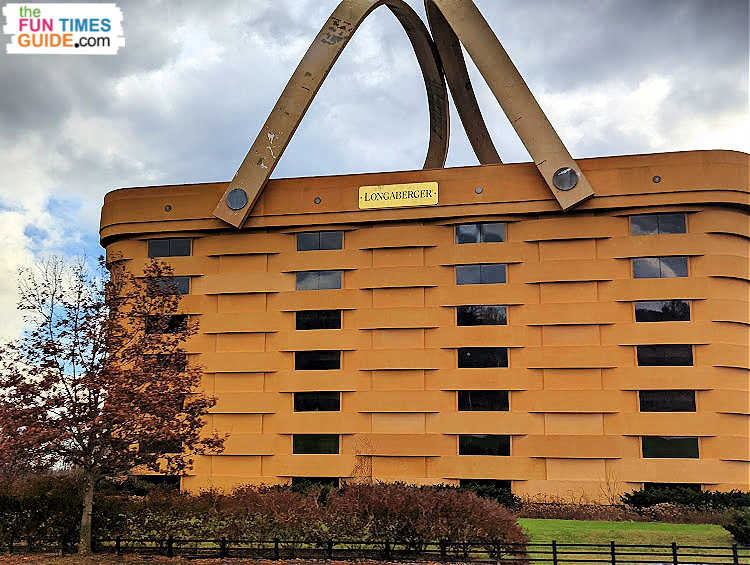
(650, 224)
(487, 273)
(172, 285)
(160, 446)
(660, 267)
(667, 400)
(315, 443)
(664, 486)
(168, 247)
(303, 484)
(314, 240)
(481, 315)
(167, 482)
(318, 280)
(665, 355)
(480, 233)
(317, 360)
(166, 324)
(483, 400)
(323, 401)
(483, 445)
(484, 484)
(666, 446)
(319, 320)
(662, 311)
(481, 357)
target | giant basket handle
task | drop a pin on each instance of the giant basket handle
(462, 20)
(543, 144)
(246, 186)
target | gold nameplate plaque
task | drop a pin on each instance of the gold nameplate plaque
(398, 195)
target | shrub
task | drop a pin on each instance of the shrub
(739, 526)
(686, 496)
(414, 515)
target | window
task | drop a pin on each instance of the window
(666, 486)
(318, 280)
(160, 446)
(168, 324)
(487, 273)
(667, 400)
(662, 311)
(482, 357)
(665, 355)
(480, 233)
(651, 224)
(323, 401)
(303, 484)
(484, 485)
(315, 443)
(174, 247)
(171, 285)
(317, 360)
(319, 320)
(670, 447)
(167, 482)
(660, 267)
(481, 315)
(483, 400)
(483, 445)
(316, 240)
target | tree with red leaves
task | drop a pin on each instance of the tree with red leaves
(100, 382)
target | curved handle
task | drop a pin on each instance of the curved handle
(451, 21)
(562, 174)
(299, 92)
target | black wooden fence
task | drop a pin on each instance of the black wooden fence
(444, 550)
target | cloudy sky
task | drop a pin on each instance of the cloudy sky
(184, 99)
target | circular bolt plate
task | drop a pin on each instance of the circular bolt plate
(565, 178)
(237, 199)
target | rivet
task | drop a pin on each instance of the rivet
(237, 199)
(478, 190)
(656, 178)
(317, 200)
(168, 208)
(565, 178)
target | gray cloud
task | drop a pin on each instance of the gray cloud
(184, 99)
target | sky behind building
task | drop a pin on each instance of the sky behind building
(183, 101)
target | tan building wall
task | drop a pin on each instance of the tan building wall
(573, 378)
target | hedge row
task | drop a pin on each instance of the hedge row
(48, 507)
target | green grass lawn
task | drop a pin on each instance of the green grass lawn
(656, 533)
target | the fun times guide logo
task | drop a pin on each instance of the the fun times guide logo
(70, 29)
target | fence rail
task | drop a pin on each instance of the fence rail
(444, 550)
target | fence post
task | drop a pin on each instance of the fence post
(387, 550)
(443, 550)
(554, 552)
(276, 548)
(223, 547)
(612, 551)
(118, 548)
(170, 546)
(674, 553)
(10, 544)
(330, 549)
(735, 557)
